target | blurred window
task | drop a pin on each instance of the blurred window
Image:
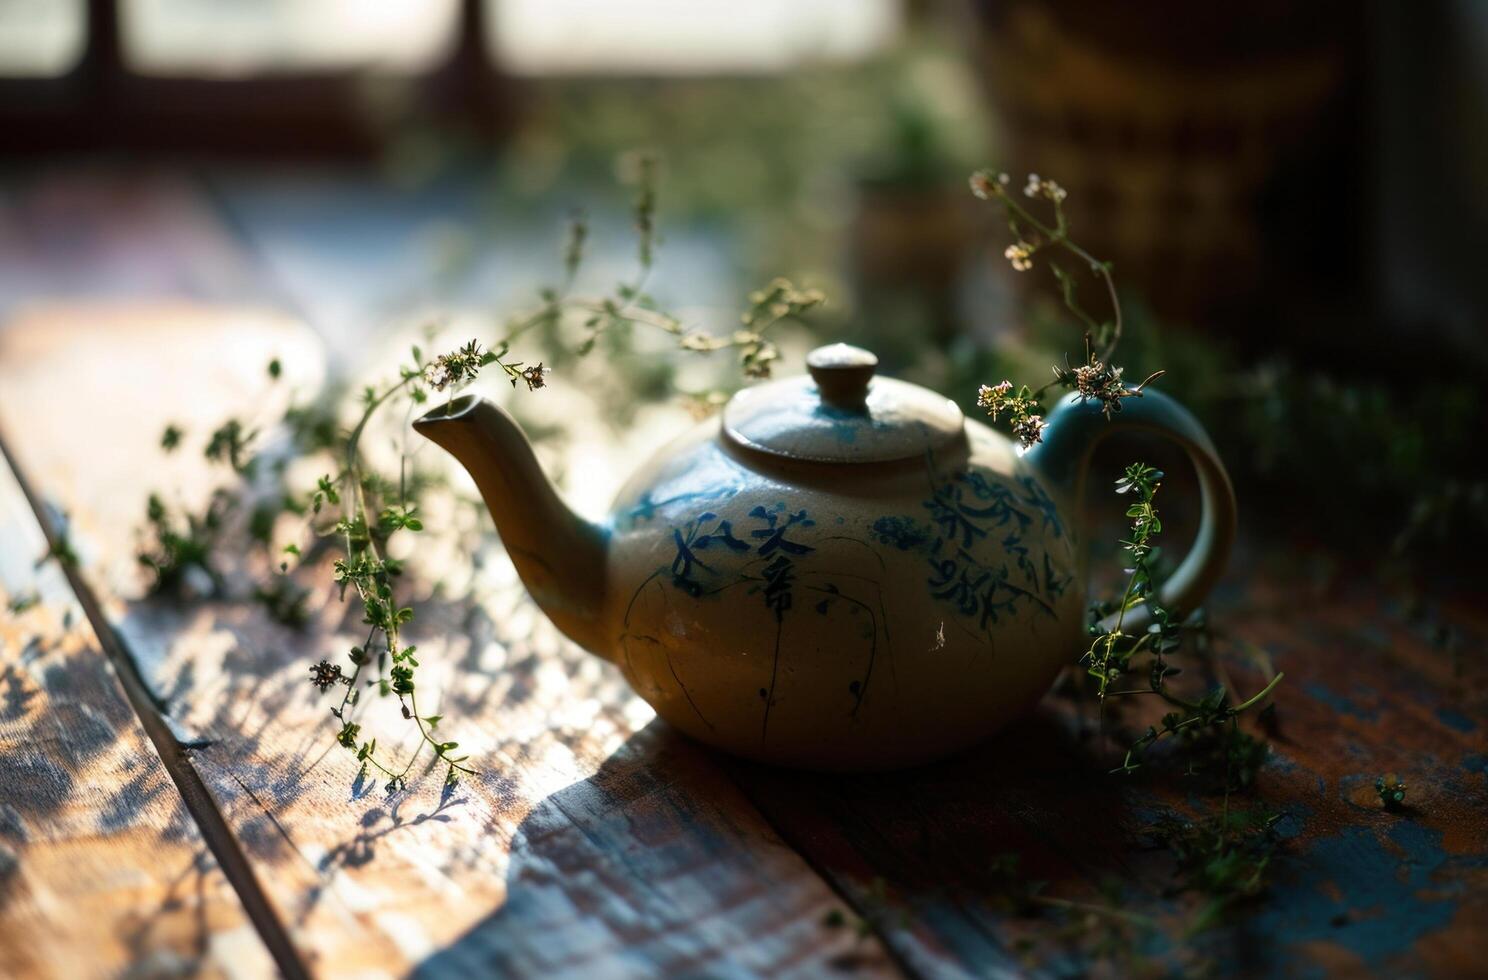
(235, 38)
(40, 38)
(244, 38)
(676, 37)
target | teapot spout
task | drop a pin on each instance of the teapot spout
(559, 555)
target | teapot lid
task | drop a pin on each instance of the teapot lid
(841, 413)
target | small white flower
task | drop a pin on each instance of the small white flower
(992, 395)
(996, 398)
(1020, 254)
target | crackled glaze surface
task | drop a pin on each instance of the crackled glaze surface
(841, 617)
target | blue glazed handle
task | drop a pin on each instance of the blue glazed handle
(1075, 427)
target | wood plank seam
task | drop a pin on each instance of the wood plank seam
(199, 804)
(861, 910)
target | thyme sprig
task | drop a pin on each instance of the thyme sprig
(1095, 378)
(1113, 651)
(363, 566)
(1220, 858)
(355, 511)
(779, 301)
(1225, 858)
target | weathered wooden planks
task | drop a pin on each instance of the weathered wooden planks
(595, 842)
(590, 843)
(1357, 890)
(102, 870)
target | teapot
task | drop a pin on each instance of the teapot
(837, 572)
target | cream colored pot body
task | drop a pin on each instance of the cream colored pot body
(841, 617)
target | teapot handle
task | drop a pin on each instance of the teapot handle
(1076, 426)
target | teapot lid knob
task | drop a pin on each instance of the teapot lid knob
(842, 373)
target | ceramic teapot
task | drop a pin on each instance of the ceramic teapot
(838, 572)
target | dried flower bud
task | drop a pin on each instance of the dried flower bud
(1100, 382)
(324, 674)
(1029, 429)
(985, 185)
(457, 367)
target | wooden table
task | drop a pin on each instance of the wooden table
(171, 801)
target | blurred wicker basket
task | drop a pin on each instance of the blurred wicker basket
(1173, 125)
